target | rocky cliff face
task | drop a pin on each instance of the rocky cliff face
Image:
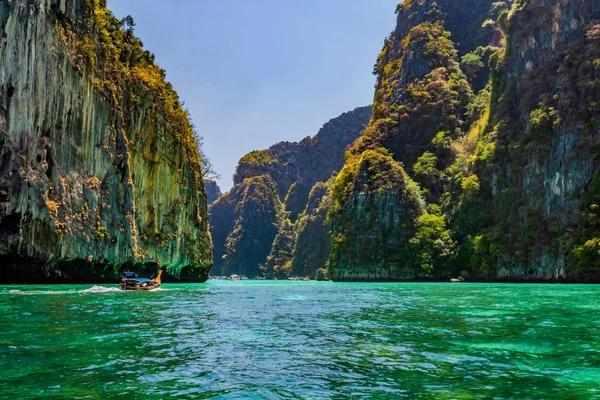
(310, 161)
(508, 168)
(213, 191)
(99, 169)
(246, 221)
(294, 169)
(222, 220)
(302, 247)
(545, 136)
(375, 214)
(279, 261)
(480, 158)
(313, 244)
(422, 105)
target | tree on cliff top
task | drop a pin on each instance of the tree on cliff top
(206, 166)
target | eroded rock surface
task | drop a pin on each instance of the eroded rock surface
(98, 167)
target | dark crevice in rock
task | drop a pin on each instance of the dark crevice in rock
(10, 90)
(4, 195)
(10, 224)
(50, 163)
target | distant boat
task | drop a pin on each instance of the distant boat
(131, 281)
(298, 278)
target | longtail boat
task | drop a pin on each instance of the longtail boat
(131, 281)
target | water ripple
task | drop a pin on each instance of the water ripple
(280, 340)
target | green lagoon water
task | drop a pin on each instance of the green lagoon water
(309, 340)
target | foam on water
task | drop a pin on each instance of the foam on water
(100, 289)
(93, 289)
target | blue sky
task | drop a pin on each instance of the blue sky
(256, 72)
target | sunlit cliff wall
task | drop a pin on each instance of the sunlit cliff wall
(99, 171)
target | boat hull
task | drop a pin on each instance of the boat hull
(149, 287)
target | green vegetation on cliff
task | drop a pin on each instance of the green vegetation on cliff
(313, 246)
(543, 136)
(299, 171)
(376, 209)
(257, 217)
(279, 261)
(498, 127)
(480, 158)
(122, 71)
(108, 175)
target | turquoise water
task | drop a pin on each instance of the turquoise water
(291, 340)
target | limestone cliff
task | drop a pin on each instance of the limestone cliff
(371, 231)
(422, 105)
(213, 191)
(545, 135)
(313, 244)
(222, 220)
(254, 212)
(492, 108)
(302, 247)
(294, 168)
(279, 261)
(307, 162)
(99, 169)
